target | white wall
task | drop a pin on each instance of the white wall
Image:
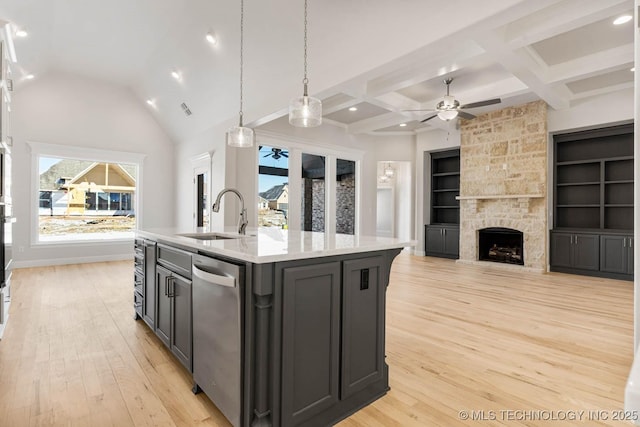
(70, 110)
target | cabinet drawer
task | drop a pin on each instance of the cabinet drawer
(137, 303)
(176, 260)
(138, 283)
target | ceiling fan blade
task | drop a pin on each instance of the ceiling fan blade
(283, 154)
(428, 118)
(267, 155)
(466, 115)
(482, 103)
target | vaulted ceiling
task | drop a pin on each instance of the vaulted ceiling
(383, 57)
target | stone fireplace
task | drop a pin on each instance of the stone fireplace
(503, 181)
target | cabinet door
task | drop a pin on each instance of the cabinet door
(310, 340)
(363, 296)
(451, 241)
(180, 293)
(613, 254)
(586, 251)
(163, 313)
(630, 263)
(561, 250)
(149, 307)
(433, 240)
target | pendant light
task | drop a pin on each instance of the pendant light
(389, 171)
(240, 136)
(305, 111)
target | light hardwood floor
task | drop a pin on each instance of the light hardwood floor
(459, 338)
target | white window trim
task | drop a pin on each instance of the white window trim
(40, 149)
(297, 146)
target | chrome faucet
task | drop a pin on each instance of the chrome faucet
(242, 227)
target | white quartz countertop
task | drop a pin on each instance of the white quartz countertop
(266, 245)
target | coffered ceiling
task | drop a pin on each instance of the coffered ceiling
(383, 57)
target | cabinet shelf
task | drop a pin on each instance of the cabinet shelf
(578, 206)
(446, 190)
(621, 181)
(575, 184)
(447, 207)
(446, 174)
(619, 205)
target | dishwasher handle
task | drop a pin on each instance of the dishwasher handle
(216, 279)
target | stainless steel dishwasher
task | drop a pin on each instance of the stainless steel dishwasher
(217, 333)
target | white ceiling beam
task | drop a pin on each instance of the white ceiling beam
(428, 67)
(553, 21)
(526, 68)
(592, 65)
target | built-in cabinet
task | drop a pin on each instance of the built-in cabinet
(173, 294)
(593, 202)
(616, 254)
(442, 234)
(332, 337)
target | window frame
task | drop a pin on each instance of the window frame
(296, 147)
(39, 149)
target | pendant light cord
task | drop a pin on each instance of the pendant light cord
(241, 54)
(305, 81)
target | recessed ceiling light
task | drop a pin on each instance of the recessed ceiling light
(622, 19)
(632, 69)
(151, 102)
(353, 108)
(211, 38)
(402, 125)
(21, 33)
(176, 75)
(29, 76)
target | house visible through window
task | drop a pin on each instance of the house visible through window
(85, 200)
(273, 197)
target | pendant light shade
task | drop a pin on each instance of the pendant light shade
(305, 111)
(389, 171)
(240, 136)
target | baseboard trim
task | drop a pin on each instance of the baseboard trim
(64, 261)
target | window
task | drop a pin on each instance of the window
(273, 187)
(322, 195)
(84, 194)
(313, 192)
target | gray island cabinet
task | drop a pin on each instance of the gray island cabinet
(311, 321)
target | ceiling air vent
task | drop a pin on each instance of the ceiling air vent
(186, 109)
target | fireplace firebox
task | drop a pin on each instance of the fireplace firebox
(499, 244)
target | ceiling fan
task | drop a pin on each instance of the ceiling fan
(277, 153)
(449, 108)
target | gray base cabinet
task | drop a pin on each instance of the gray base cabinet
(313, 333)
(616, 254)
(332, 336)
(310, 340)
(442, 241)
(595, 254)
(173, 308)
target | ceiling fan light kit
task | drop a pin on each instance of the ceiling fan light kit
(450, 108)
(305, 111)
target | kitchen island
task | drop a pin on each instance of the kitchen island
(306, 344)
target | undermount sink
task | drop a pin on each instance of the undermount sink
(209, 236)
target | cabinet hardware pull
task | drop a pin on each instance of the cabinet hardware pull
(171, 287)
(445, 231)
(624, 242)
(630, 242)
(166, 286)
(576, 240)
